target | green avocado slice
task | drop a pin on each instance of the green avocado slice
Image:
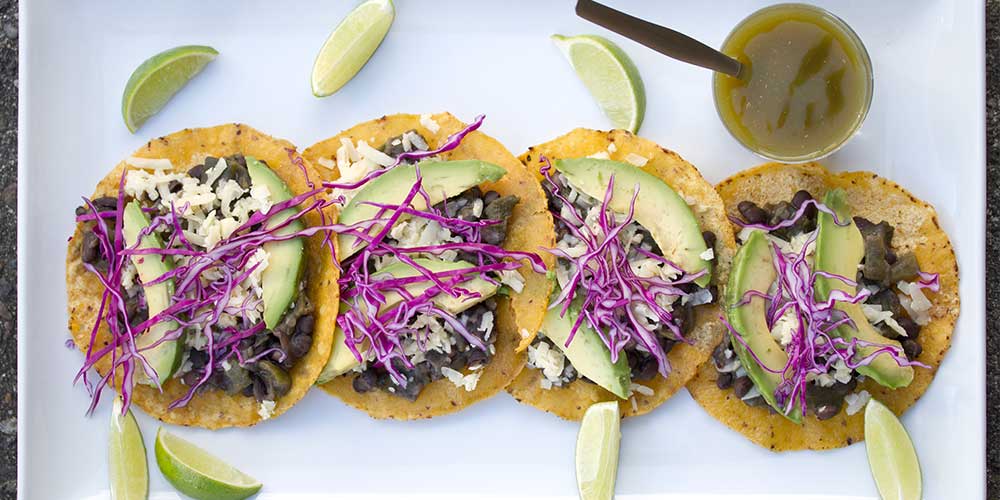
(753, 269)
(658, 208)
(587, 352)
(440, 180)
(165, 358)
(839, 250)
(280, 279)
(342, 360)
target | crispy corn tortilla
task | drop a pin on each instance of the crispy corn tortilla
(529, 228)
(215, 409)
(916, 228)
(572, 401)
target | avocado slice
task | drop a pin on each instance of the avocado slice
(280, 279)
(753, 269)
(839, 250)
(658, 208)
(440, 180)
(342, 360)
(587, 352)
(165, 358)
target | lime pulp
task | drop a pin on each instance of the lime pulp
(597, 451)
(198, 474)
(350, 45)
(127, 467)
(158, 78)
(609, 75)
(891, 455)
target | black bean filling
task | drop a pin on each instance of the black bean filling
(265, 379)
(462, 356)
(881, 269)
(642, 364)
(491, 206)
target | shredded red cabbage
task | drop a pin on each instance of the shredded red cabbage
(373, 333)
(930, 281)
(198, 301)
(604, 279)
(813, 349)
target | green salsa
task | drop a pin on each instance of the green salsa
(805, 86)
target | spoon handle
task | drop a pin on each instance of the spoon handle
(659, 38)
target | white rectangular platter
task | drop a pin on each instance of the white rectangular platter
(925, 131)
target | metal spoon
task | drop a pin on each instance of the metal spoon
(661, 39)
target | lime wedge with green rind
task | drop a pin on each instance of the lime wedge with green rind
(198, 474)
(610, 76)
(158, 78)
(891, 455)
(127, 467)
(350, 45)
(597, 451)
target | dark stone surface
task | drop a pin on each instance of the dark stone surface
(992, 247)
(8, 244)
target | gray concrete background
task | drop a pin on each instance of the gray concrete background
(992, 247)
(8, 242)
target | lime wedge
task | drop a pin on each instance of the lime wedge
(610, 76)
(198, 474)
(158, 78)
(350, 45)
(890, 454)
(597, 451)
(126, 456)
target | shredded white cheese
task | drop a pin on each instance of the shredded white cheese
(151, 184)
(486, 325)
(646, 316)
(784, 327)
(876, 315)
(752, 393)
(469, 381)
(266, 409)
(917, 304)
(841, 372)
(702, 296)
(213, 173)
(260, 258)
(326, 162)
(641, 389)
(374, 155)
(429, 123)
(795, 245)
(349, 149)
(637, 160)
(857, 401)
(129, 273)
(549, 360)
(513, 279)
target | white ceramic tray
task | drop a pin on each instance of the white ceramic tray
(925, 130)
